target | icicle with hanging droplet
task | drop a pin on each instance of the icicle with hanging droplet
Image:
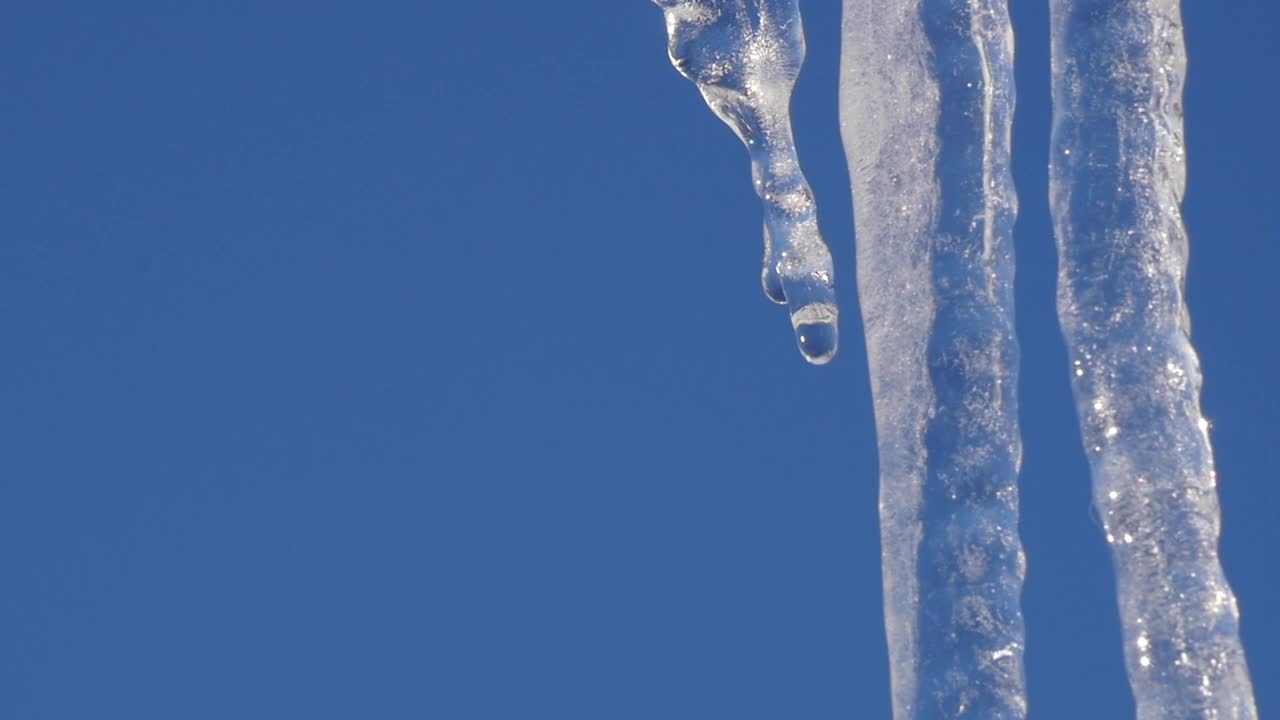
(744, 56)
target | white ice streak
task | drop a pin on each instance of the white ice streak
(1116, 182)
(926, 105)
(744, 56)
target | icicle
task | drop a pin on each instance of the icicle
(744, 56)
(1116, 181)
(926, 106)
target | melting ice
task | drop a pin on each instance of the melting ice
(744, 56)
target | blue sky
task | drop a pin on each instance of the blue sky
(408, 360)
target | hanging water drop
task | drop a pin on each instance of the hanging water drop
(816, 333)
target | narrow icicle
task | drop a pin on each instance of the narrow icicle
(744, 56)
(926, 107)
(1116, 182)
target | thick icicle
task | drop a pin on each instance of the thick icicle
(744, 56)
(926, 105)
(1117, 179)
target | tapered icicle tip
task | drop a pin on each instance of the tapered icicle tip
(771, 280)
(817, 332)
(770, 275)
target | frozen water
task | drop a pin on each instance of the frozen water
(1117, 179)
(926, 106)
(744, 56)
(926, 102)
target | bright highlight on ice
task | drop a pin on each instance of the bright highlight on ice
(744, 56)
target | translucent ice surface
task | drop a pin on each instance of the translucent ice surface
(926, 103)
(1116, 182)
(744, 56)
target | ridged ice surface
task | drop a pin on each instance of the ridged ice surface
(926, 100)
(744, 56)
(1117, 179)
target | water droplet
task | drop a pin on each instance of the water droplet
(816, 332)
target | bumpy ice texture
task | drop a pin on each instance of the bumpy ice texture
(926, 101)
(1117, 179)
(744, 56)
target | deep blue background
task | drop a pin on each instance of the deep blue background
(409, 360)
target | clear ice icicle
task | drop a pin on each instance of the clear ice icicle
(1117, 177)
(744, 56)
(926, 104)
